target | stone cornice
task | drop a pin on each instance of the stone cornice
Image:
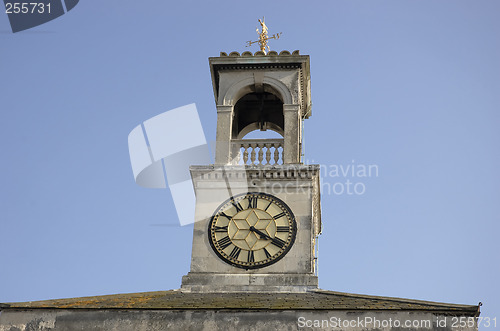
(289, 171)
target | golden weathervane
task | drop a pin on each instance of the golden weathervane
(263, 38)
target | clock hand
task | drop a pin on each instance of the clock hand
(262, 234)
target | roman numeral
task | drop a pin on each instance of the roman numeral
(235, 252)
(237, 206)
(224, 242)
(250, 258)
(252, 202)
(225, 215)
(269, 205)
(267, 253)
(279, 216)
(280, 228)
(278, 242)
(220, 228)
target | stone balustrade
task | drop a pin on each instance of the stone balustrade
(257, 151)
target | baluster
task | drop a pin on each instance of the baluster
(252, 155)
(261, 153)
(238, 156)
(234, 153)
(268, 153)
(245, 154)
(276, 153)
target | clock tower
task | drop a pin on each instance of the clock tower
(258, 207)
(256, 222)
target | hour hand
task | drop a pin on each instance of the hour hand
(260, 233)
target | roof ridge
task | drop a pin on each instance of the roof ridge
(87, 297)
(395, 299)
(313, 299)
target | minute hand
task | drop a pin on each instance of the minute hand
(260, 233)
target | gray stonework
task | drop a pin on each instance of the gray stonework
(292, 74)
(176, 310)
(251, 282)
(152, 320)
(285, 76)
(297, 185)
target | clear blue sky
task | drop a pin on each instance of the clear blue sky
(410, 86)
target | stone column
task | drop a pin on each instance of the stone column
(224, 129)
(291, 148)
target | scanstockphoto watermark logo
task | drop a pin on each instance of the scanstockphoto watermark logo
(365, 322)
(350, 178)
(25, 15)
(163, 148)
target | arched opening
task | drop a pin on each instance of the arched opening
(258, 111)
(268, 134)
(259, 118)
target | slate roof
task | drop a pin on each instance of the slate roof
(177, 300)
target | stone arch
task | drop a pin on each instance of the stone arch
(257, 111)
(247, 85)
(255, 126)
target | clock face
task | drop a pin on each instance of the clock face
(252, 230)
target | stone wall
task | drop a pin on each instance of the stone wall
(155, 320)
